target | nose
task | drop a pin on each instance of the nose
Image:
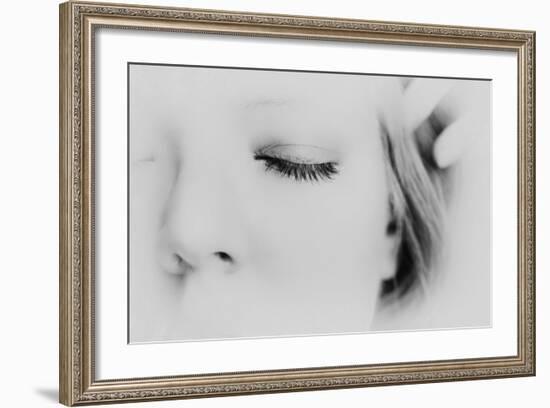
(198, 231)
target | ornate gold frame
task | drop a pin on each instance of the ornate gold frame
(78, 20)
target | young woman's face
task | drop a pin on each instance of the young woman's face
(258, 203)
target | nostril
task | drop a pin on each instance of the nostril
(224, 256)
(175, 264)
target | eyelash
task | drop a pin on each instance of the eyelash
(299, 171)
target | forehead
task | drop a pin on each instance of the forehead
(254, 107)
(259, 90)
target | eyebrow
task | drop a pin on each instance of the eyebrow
(267, 103)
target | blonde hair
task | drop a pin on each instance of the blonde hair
(416, 202)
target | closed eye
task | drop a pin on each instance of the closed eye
(146, 159)
(299, 171)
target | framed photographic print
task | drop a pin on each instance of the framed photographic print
(255, 203)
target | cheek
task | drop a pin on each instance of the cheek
(329, 235)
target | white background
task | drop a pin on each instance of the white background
(28, 216)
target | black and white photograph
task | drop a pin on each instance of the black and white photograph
(281, 203)
(271, 199)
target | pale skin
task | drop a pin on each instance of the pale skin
(227, 240)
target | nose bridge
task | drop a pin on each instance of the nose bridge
(198, 211)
